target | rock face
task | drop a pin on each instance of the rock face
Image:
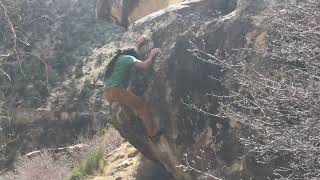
(180, 82)
(124, 12)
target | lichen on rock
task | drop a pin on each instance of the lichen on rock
(180, 82)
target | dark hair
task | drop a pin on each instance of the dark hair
(109, 68)
(131, 52)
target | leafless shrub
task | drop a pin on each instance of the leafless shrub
(190, 166)
(113, 140)
(12, 51)
(48, 165)
(275, 90)
(108, 141)
(15, 40)
(4, 115)
(43, 166)
(91, 159)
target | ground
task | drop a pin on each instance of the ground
(126, 163)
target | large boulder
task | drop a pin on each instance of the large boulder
(124, 12)
(176, 90)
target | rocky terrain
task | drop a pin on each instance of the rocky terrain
(55, 96)
(196, 70)
(126, 163)
(205, 45)
(47, 99)
(179, 79)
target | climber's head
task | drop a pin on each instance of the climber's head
(133, 50)
(130, 51)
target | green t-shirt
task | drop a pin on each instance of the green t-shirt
(121, 72)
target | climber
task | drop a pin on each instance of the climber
(117, 79)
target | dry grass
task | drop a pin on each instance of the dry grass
(43, 166)
(58, 166)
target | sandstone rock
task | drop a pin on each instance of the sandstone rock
(124, 12)
(128, 164)
(179, 79)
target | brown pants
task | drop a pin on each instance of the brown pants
(135, 103)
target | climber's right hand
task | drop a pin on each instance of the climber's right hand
(154, 52)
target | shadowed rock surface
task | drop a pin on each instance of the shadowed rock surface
(180, 79)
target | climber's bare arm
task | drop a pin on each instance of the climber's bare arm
(147, 64)
(139, 44)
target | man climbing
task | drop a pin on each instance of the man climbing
(118, 76)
